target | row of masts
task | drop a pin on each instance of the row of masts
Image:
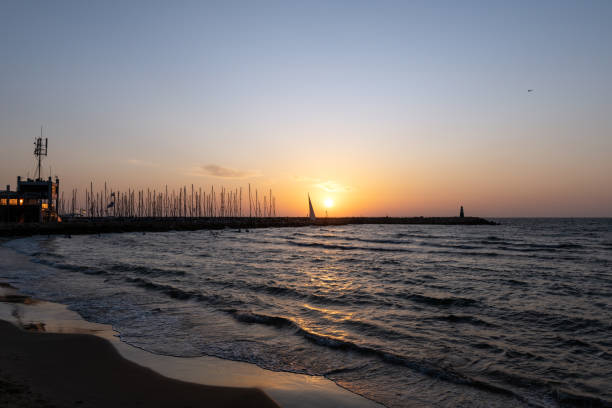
(184, 202)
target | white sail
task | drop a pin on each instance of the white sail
(311, 211)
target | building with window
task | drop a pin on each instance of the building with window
(33, 201)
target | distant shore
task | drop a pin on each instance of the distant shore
(77, 226)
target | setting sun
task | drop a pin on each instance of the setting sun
(328, 203)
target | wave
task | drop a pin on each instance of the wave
(422, 236)
(523, 246)
(487, 346)
(350, 299)
(377, 241)
(422, 366)
(493, 238)
(498, 243)
(532, 247)
(350, 260)
(322, 236)
(274, 290)
(458, 246)
(169, 290)
(426, 367)
(449, 301)
(183, 294)
(453, 318)
(379, 332)
(568, 246)
(579, 345)
(343, 370)
(569, 398)
(225, 298)
(558, 322)
(516, 282)
(249, 317)
(465, 253)
(145, 270)
(47, 254)
(344, 247)
(557, 392)
(89, 270)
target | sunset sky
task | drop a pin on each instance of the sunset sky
(385, 107)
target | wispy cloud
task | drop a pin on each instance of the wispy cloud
(226, 172)
(142, 163)
(334, 187)
(304, 179)
(330, 186)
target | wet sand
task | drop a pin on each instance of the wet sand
(67, 370)
(86, 371)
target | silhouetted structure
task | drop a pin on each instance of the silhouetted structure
(78, 225)
(461, 215)
(34, 200)
(187, 202)
(311, 213)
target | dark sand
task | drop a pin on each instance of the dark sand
(78, 370)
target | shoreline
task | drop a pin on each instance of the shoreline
(81, 367)
(78, 226)
(49, 369)
(216, 381)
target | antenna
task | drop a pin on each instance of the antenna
(40, 150)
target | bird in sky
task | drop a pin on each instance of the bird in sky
(530, 90)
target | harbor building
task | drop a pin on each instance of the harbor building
(34, 200)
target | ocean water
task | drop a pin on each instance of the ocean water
(514, 315)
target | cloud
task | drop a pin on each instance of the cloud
(330, 186)
(333, 187)
(142, 163)
(226, 172)
(303, 179)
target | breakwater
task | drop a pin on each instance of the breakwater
(76, 226)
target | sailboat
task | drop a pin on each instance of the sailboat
(311, 211)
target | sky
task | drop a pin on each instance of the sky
(399, 108)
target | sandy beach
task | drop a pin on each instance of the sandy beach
(50, 369)
(46, 369)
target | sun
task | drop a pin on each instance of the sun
(328, 202)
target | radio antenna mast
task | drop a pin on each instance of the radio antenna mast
(40, 150)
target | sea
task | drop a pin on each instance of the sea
(511, 315)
